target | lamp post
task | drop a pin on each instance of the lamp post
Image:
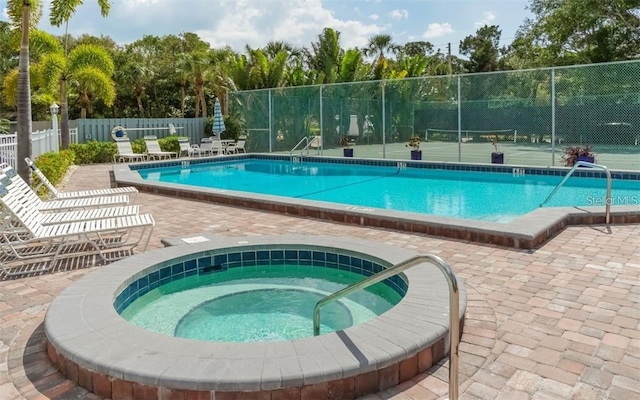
(54, 140)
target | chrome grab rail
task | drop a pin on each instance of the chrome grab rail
(590, 165)
(454, 304)
(299, 143)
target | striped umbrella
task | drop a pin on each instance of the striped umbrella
(218, 122)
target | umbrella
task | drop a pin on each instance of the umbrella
(218, 122)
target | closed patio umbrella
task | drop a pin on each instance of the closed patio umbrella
(218, 121)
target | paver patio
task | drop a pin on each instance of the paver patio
(559, 322)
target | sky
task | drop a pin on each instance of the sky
(236, 23)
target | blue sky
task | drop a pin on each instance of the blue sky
(256, 22)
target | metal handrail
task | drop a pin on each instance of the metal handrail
(298, 144)
(590, 165)
(454, 306)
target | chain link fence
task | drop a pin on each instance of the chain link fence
(533, 117)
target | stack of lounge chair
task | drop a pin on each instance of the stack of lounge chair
(96, 227)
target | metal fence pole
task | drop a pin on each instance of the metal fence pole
(270, 121)
(384, 123)
(553, 116)
(321, 124)
(459, 121)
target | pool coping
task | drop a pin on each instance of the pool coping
(85, 333)
(526, 232)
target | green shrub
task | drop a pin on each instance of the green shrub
(54, 166)
(170, 143)
(138, 146)
(94, 152)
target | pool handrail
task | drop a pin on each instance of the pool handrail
(305, 138)
(607, 211)
(454, 304)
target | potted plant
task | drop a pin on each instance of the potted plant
(346, 151)
(496, 157)
(573, 154)
(414, 143)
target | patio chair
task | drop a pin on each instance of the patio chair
(61, 204)
(211, 147)
(238, 147)
(154, 151)
(125, 152)
(55, 193)
(185, 148)
(28, 239)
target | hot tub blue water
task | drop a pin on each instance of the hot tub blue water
(259, 304)
(488, 196)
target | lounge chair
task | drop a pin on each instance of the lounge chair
(125, 190)
(238, 147)
(62, 204)
(154, 151)
(27, 240)
(16, 197)
(185, 148)
(125, 152)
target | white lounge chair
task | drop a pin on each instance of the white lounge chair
(15, 197)
(154, 151)
(238, 147)
(62, 204)
(27, 240)
(185, 148)
(125, 190)
(125, 152)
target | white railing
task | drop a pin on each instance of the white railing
(42, 142)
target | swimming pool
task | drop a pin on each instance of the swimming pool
(258, 303)
(479, 195)
(527, 231)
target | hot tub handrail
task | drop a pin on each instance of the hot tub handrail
(607, 209)
(454, 304)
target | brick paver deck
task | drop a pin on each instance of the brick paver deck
(559, 322)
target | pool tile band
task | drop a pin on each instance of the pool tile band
(219, 261)
(448, 166)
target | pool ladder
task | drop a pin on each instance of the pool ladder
(607, 209)
(302, 151)
(454, 304)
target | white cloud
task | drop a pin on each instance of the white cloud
(487, 18)
(435, 30)
(233, 23)
(399, 14)
(5, 13)
(374, 17)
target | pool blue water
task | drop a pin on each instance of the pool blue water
(497, 197)
(268, 304)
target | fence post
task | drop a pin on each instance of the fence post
(553, 116)
(459, 121)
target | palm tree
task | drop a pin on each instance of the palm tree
(379, 45)
(136, 74)
(24, 14)
(62, 11)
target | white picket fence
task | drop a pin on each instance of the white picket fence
(42, 142)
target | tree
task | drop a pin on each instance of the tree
(580, 31)
(482, 49)
(420, 48)
(325, 55)
(24, 14)
(61, 12)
